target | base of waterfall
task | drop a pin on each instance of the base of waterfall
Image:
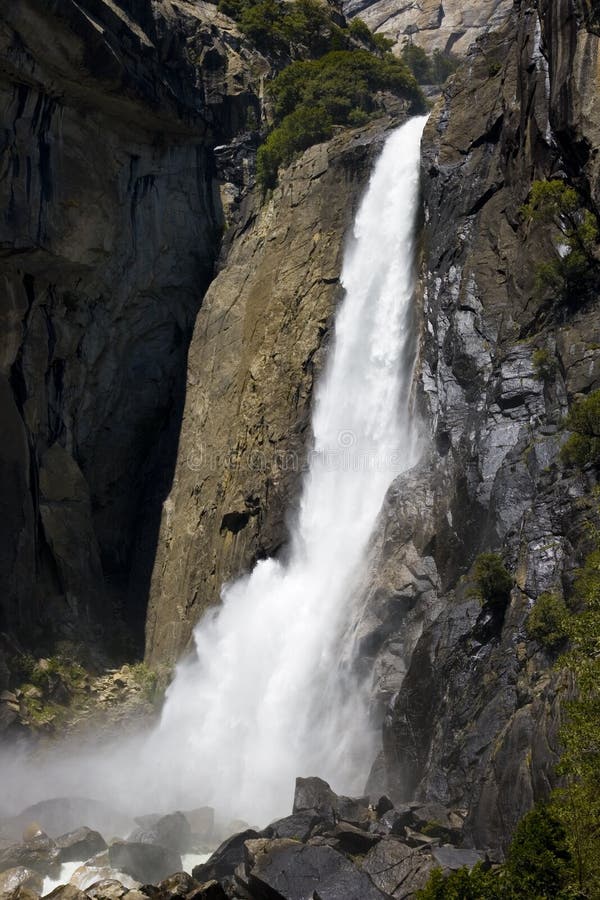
(331, 847)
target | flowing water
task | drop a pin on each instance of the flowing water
(267, 699)
(270, 693)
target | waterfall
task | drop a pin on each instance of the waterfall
(270, 693)
(266, 698)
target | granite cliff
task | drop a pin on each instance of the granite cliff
(134, 472)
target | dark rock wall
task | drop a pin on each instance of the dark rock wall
(469, 706)
(111, 222)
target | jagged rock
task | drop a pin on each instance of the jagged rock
(298, 826)
(21, 893)
(173, 831)
(397, 870)
(106, 889)
(436, 821)
(144, 862)
(202, 821)
(96, 872)
(452, 858)
(292, 871)
(351, 840)
(314, 794)
(99, 298)
(70, 892)
(395, 820)
(225, 859)
(81, 844)
(11, 879)
(210, 890)
(449, 25)
(40, 854)
(177, 885)
(383, 805)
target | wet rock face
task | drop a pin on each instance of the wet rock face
(447, 25)
(258, 346)
(469, 707)
(110, 226)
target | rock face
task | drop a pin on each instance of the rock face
(469, 706)
(256, 349)
(446, 25)
(107, 247)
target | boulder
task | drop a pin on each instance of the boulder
(202, 821)
(40, 854)
(451, 858)
(435, 820)
(171, 831)
(67, 892)
(177, 885)
(88, 875)
(80, 844)
(226, 858)
(315, 794)
(21, 893)
(20, 877)
(293, 871)
(383, 805)
(106, 889)
(144, 862)
(353, 841)
(210, 890)
(394, 821)
(298, 826)
(398, 870)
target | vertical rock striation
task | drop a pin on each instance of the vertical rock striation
(111, 221)
(469, 706)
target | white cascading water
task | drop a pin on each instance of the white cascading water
(266, 698)
(271, 693)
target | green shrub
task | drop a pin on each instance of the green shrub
(434, 69)
(583, 446)
(544, 364)
(301, 129)
(546, 622)
(283, 29)
(476, 884)
(361, 32)
(493, 582)
(311, 96)
(538, 863)
(573, 273)
(494, 68)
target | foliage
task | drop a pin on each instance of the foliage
(361, 32)
(493, 581)
(147, 679)
(577, 803)
(476, 884)
(538, 863)
(573, 272)
(538, 866)
(583, 446)
(544, 363)
(304, 27)
(310, 97)
(434, 69)
(546, 622)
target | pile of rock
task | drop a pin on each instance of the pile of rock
(340, 848)
(330, 848)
